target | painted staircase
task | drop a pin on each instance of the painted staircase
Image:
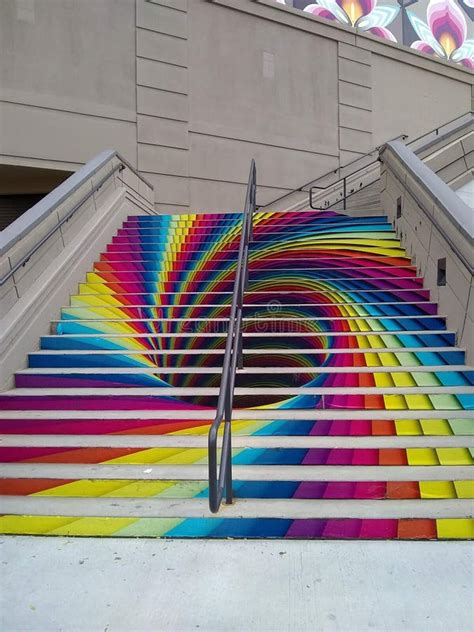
(353, 415)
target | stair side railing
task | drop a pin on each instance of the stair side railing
(220, 472)
(346, 180)
(60, 205)
(357, 179)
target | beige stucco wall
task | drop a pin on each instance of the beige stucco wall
(190, 90)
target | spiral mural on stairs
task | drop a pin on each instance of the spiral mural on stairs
(333, 301)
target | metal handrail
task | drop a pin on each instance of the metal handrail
(43, 209)
(343, 180)
(344, 196)
(220, 475)
(304, 187)
(437, 130)
(56, 227)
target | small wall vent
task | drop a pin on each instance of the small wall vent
(441, 271)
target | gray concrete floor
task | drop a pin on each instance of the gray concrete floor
(89, 584)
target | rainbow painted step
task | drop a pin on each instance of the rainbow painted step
(353, 390)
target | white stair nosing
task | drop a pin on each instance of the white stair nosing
(247, 305)
(232, 262)
(251, 268)
(251, 334)
(352, 473)
(240, 414)
(184, 441)
(206, 292)
(160, 272)
(324, 235)
(211, 293)
(242, 508)
(245, 319)
(248, 351)
(441, 368)
(240, 391)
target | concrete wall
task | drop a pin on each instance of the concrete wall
(190, 90)
(67, 80)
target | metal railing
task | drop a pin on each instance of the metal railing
(306, 188)
(347, 190)
(342, 183)
(440, 133)
(220, 474)
(46, 206)
(423, 141)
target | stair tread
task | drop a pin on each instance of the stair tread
(238, 441)
(251, 508)
(259, 334)
(443, 368)
(240, 414)
(77, 471)
(251, 351)
(299, 390)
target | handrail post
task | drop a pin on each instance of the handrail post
(229, 495)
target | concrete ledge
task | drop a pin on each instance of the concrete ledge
(430, 229)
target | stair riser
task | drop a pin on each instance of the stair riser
(230, 250)
(255, 272)
(233, 231)
(288, 216)
(323, 428)
(445, 402)
(125, 360)
(204, 380)
(292, 284)
(346, 295)
(310, 490)
(356, 457)
(286, 220)
(382, 325)
(266, 260)
(222, 311)
(150, 272)
(164, 342)
(246, 528)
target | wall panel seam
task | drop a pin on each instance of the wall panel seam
(161, 61)
(356, 61)
(220, 181)
(356, 107)
(146, 28)
(257, 142)
(46, 107)
(179, 147)
(144, 85)
(354, 83)
(159, 116)
(166, 6)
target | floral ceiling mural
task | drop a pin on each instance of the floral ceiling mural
(443, 28)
